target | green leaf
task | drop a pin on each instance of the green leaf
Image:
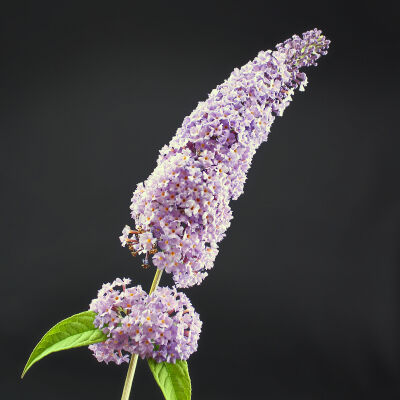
(75, 331)
(173, 379)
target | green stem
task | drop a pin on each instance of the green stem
(132, 365)
(156, 281)
(129, 377)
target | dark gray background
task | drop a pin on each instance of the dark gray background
(303, 302)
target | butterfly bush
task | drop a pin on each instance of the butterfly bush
(163, 326)
(182, 211)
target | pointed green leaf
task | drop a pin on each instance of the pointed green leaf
(173, 379)
(75, 331)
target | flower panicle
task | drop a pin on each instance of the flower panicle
(182, 211)
(163, 326)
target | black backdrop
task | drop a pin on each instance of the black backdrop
(303, 301)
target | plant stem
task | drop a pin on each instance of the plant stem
(129, 377)
(132, 365)
(156, 281)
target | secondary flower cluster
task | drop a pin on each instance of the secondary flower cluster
(182, 211)
(163, 326)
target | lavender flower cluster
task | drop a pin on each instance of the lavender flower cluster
(182, 211)
(163, 326)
